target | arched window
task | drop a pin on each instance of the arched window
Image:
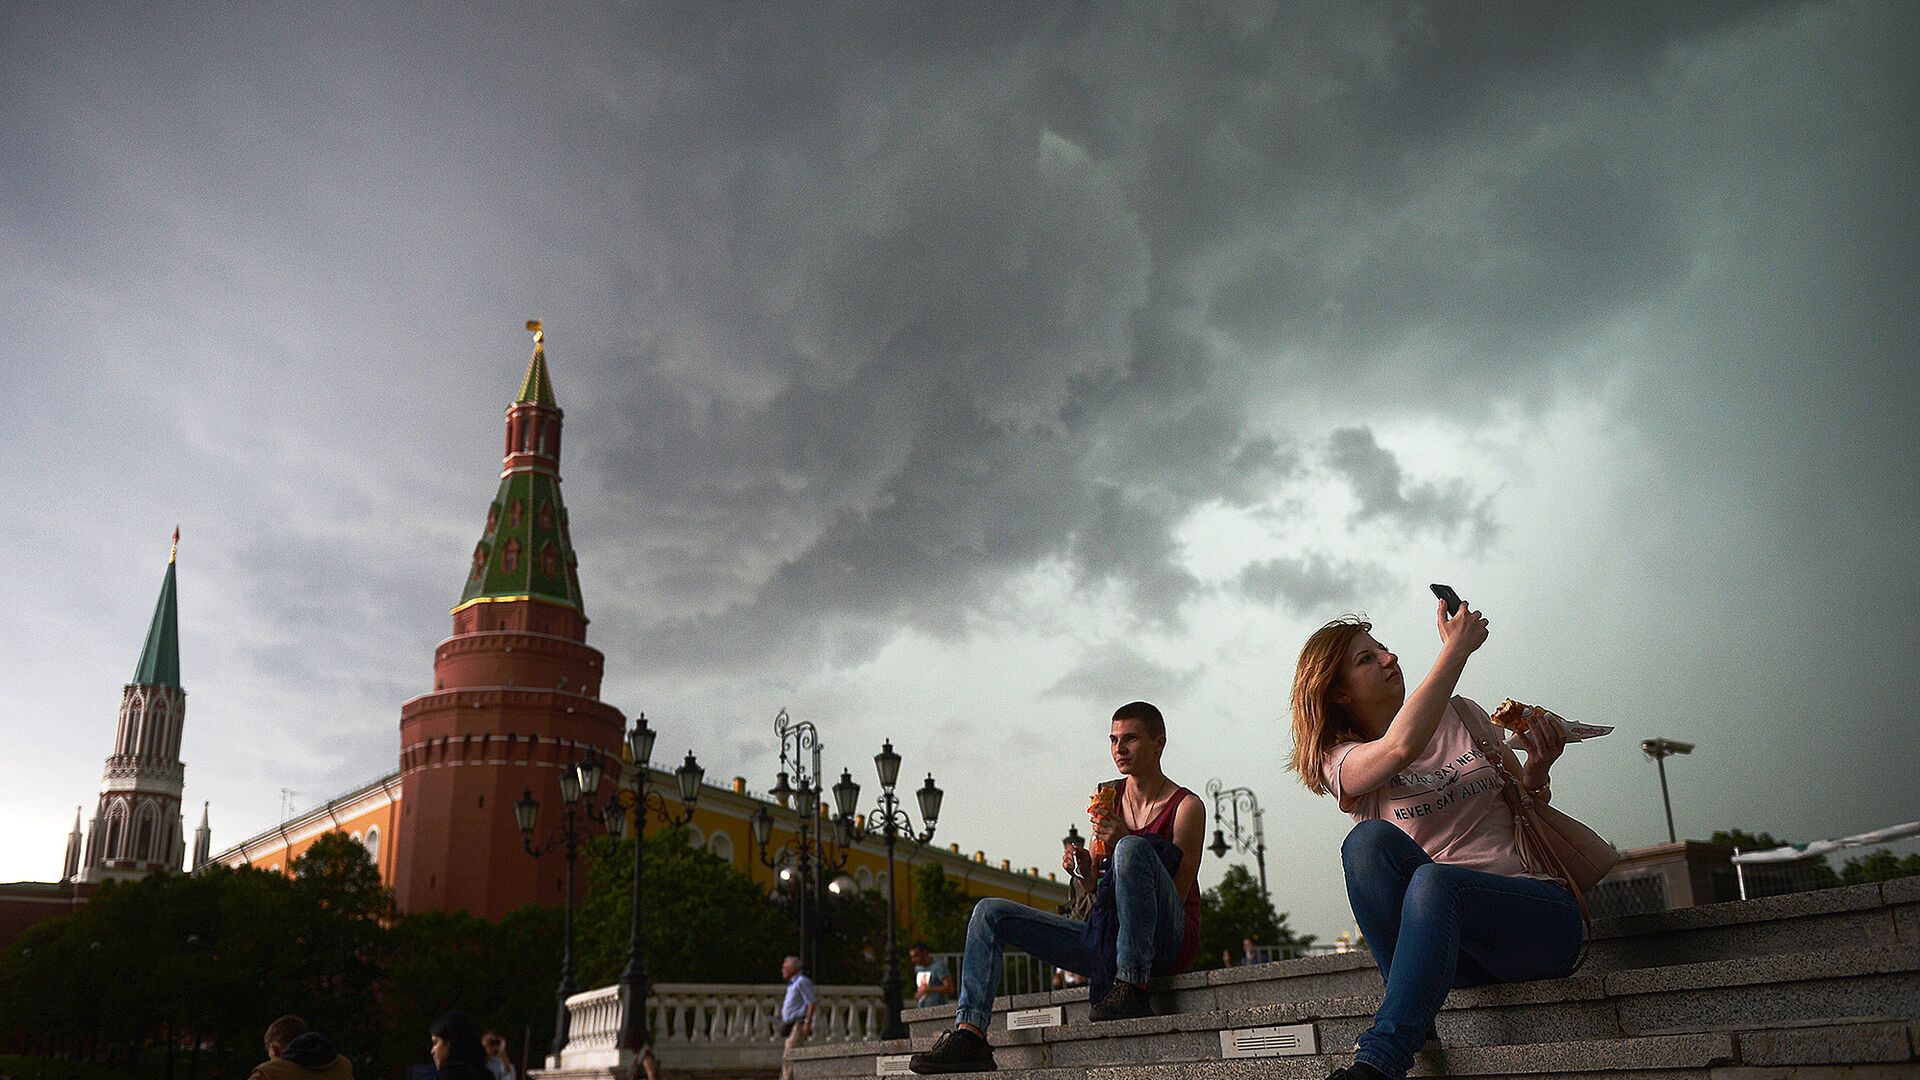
(721, 845)
(546, 515)
(130, 727)
(116, 830)
(510, 558)
(372, 844)
(695, 838)
(513, 514)
(549, 560)
(865, 877)
(479, 559)
(143, 847)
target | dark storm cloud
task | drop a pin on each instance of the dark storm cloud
(1381, 487)
(1115, 674)
(930, 274)
(1311, 583)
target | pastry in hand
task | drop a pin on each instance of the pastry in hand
(1517, 716)
(1099, 808)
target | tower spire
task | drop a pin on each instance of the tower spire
(526, 553)
(537, 387)
(160, 658)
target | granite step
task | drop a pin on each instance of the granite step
(1813, 1050)
(1872, 981)
(1887, 913)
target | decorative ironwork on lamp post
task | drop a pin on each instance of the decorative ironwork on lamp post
(800, 782)
(634, 1035)
(1250, 835)
(578, 782)
(893, 822)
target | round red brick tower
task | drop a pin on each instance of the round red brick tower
(516, 693)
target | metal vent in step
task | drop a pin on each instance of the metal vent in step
(1025, 1019)
(1290, 1040)
(892, 1065)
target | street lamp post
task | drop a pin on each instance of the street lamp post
(634, 1035)
(894, 822)
(1252, 836)
(1659, 750)
(565, 836)
(799, 759)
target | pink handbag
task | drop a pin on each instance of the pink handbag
(1551, 842)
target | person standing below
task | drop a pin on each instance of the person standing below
(932, 979)
(1434, 873)
(796, 1013)
(1146, 916)
(295, 1053)
(498, 1063)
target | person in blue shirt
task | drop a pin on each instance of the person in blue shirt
(932, 979)
(796, 1013)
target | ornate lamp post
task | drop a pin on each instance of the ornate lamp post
(799, 756)
(634, 1035)
(893, 822)
(1251, 836)
(577, 780)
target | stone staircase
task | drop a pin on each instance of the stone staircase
(1810, 986)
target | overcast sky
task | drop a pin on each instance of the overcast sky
(956, 373)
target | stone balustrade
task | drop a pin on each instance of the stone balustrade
(720, 1029)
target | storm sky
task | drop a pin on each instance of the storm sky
(955, 373)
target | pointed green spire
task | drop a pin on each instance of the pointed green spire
(536, 387)
(160, 660)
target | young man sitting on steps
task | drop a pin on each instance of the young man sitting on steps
(1146, 917)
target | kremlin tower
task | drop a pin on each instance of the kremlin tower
(137, 828)
(516, 691)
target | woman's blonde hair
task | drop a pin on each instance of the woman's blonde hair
(1318, 721)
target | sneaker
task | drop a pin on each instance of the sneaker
(955, 1051)
(1359, 1070)
(1125, 1001)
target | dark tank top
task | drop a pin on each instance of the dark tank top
(1162, 825)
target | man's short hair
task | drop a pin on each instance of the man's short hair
(285, 1030)
(794, 960)
(1144, 712)
(918, 945)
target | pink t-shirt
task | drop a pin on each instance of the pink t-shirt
(1448, 800)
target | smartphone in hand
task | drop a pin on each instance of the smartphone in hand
(1445, 592)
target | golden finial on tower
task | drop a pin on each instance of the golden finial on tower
(176, 544)
(538, 334)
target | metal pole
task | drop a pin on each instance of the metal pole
(633, 1005)
(890, 985)
(560, 1021)
(1661, 761)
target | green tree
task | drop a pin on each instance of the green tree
(1235, 910)
(940, 910)
(1879, 865)
(702, 921)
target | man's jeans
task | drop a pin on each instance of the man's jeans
(1151, 920)
(1432, 927)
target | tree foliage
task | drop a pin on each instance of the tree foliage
(940, 909)
(702, 920)
(1235, 910)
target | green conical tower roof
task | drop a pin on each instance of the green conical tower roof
(160, 660)
(526, 552)
(536, 387)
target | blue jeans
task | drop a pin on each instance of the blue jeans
(1432, 927)
(1152, 925)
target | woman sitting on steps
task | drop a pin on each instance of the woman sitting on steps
(1433, 871)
